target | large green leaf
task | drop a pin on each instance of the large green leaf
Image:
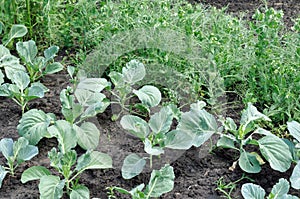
(199, 125)
(51, 187)
(50, 52)
(253, 191)
(65, 135)
(80, 192)
(276, 152)
(33, 125)
(94, 109)
(135, 126)
(3, 173)
(94, 160)
(21, 79)
(88, 135)
(23, 151)
(6, 147)
(71, 114)
(227, 141)
(280, 189)
(16, 31)
(161, 181)
(161, 122)
(34, 173)
(132, 166)
(27, 50)
(295, 177)
(133, 72)
(294, 129)
(53, 68)
(249, 163)
(93, 84)
(148, 95)
(177, 139)
(88, 98)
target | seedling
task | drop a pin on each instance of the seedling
(272, 148)
(161, 181)
(35, 124)
(15, 153)
(123, 90)
(52, 186)
(279, 190)
(194, 128)
(38, 66)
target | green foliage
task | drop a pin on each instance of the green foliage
(161, 181)
(123, 82)
(279, 190)
(194, 128)
(51, 186)
(272, 148)
(15, 153)
(77, 106)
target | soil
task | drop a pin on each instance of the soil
(197, 170)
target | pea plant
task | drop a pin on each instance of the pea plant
(194, 128)
(279, 190)
(77, 106)
(15, 153)
(272, 148)
(52, 186)
(123, 91)
(161, 181)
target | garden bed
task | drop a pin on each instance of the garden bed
(197, 170)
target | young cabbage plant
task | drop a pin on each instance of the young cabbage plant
(279, 191)
(134, 72)
(194, 128)
(38, 66)
(161, 181)
(294, 130)
(52, 186)
(77, 106)
(272, 148)
(21, 90)
(15, 153)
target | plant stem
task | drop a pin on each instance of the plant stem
(29, 17)
(150, 161)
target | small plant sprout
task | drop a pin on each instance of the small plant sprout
(161, 181)
(15, 153)
(52, 186)
(272, 148)
(279, 190)
(123, 90)
(194, 128)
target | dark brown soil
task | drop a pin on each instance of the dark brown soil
(196, 170)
